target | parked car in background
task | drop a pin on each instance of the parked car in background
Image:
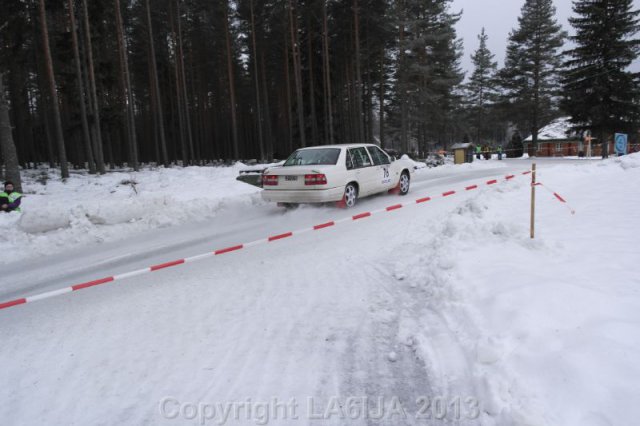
(435, 160)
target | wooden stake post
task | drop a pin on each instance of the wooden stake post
(533, 199)
(588, 140)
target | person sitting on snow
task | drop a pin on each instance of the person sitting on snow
(10, 199)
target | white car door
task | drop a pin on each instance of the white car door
(383, 180)
(362, 169)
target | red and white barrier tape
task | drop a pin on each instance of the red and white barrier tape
(226, 250)
(557, 196)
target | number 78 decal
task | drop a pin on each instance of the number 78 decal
(385, 176)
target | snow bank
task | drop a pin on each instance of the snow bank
(628, 161)
(89, 208)
(416, 164)
(544, 331)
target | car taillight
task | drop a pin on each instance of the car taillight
(269, 180)
(316, 179)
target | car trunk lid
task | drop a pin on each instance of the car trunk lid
(293, 177)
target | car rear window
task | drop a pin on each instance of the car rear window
(309, 157)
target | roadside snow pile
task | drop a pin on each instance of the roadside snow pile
(416, 164)
(543, 331)
(89, 208)
(629, 161)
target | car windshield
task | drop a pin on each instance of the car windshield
(308, 157)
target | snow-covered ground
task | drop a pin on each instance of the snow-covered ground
(87, 209)
(443, 310)
(549, 329)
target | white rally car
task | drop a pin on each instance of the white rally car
(335, 173)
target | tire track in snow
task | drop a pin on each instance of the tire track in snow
(377, 364)
(443, 328)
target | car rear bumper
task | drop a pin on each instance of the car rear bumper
(303, 196)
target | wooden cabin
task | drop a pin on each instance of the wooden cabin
(557, 139)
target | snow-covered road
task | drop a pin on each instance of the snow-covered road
(88, 262)
(432, 312)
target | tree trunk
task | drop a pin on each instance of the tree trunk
(93, 95)
(19, 113)
(152, 125)
(232, 90)
(126, 84)
(158, 116)
(267, 107)
(43, 111)
(369, 109)
(536, 100)
(9, 153)
(178, 98)
(183, 84)
(297, 75)
(358, 78)
(327, 72)
(312, 97)
(256, 79)
(381, 100)
(353, 111)
(62, 154)
(288, 88)
(196, 105)
(404, 142)
(80, 87)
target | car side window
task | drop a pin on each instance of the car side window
(383, 156)
(378, 156)
(359, 157)
(350, 165)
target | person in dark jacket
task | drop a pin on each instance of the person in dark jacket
(486, 152)
(10, 199)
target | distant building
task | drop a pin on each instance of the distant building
(557, 139)
(463, 152)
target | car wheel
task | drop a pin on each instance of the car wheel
(405, 182)
(350, 195)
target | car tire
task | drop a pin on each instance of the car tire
(350, 195)
(404, 184)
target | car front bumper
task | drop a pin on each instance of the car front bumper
(303, 196)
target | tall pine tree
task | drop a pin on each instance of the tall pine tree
(481, 89)
(7, 146)
(428, 72)
(601, 95)
(531, 73)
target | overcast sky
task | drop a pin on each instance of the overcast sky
(499, 17)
